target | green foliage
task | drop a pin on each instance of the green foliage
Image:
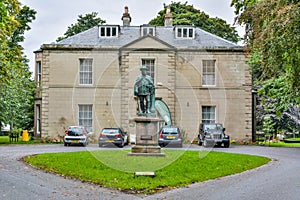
(187, 169)
(184, 14)
(83, 23)
(272, 36)
(268, 125)
(17, 87)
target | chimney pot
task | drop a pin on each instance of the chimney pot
(168, 17)
(126, 17)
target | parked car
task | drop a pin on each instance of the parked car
(76, 135)
(213, 134)
(170, 135)
(114, 136)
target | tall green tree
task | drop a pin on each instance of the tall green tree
(17, 86)
(184, 14)
(273, 44)
(83, 23)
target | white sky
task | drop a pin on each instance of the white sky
(54, 16)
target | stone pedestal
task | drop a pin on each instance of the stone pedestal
(146, 137)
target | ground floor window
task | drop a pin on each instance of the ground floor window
(208, 114)
(38, 119)
(85, 117)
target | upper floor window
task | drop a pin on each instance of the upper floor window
(108, 31)
(147, 30)
(149, 63)
(86, 72)
(208, 72)
(185, 32)
(38, 73)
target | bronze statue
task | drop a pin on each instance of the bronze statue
(145, 91)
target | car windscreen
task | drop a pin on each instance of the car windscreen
(110, 131)
(212, 127)
(75, 131)
(170, 130)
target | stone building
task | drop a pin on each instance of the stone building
(88, 79)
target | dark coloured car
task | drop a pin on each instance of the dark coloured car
(213, 134)
(170, 136)
(76, 135)
(114, 136)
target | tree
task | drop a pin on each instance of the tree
(184, 14)
(17, 87)
(83, 23)
(272, 38)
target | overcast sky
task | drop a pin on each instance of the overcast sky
(53, 17)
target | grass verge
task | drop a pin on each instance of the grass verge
(280, 144)
(187, 169)
(4, 140)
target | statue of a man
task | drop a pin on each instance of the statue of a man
(145, 91)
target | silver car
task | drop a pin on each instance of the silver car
(76, 135)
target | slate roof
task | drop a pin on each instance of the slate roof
(129, 34)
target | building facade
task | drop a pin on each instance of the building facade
(88, 79)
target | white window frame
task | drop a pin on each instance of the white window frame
(209, 113)
(150, 66)
(86, 74)
(190, 32)
(208, 73)
(86, 114)
(145, 30)
(38, 73)
(108, 30)
(38, 118)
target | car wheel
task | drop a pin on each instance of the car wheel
(122, 144)
(65, 144)
(199, 142)
(207, 144)
(226, 144)
(84, 144)
(100, 145)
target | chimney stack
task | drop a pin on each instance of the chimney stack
(126, 17)
(168, 17)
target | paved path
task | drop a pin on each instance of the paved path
(279, 179)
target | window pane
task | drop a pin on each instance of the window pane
(114, 31)
(190, 32)
(85, 116)
(151, 31)
(86, 71)
(102, 31)
(209, 72)
(184, 32)
(149, 63)
(108, 32)
(208, 114)
(144, 31)
(179, 32)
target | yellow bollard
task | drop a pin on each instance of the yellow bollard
(25, 137)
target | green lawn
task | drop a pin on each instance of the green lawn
(114, 169)
(4, 140)
(280, 144)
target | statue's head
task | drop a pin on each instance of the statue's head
(143, 70)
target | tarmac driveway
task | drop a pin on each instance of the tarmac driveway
(279, 179)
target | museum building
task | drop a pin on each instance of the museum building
(88, 79)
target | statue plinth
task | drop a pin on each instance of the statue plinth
(146, 137)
